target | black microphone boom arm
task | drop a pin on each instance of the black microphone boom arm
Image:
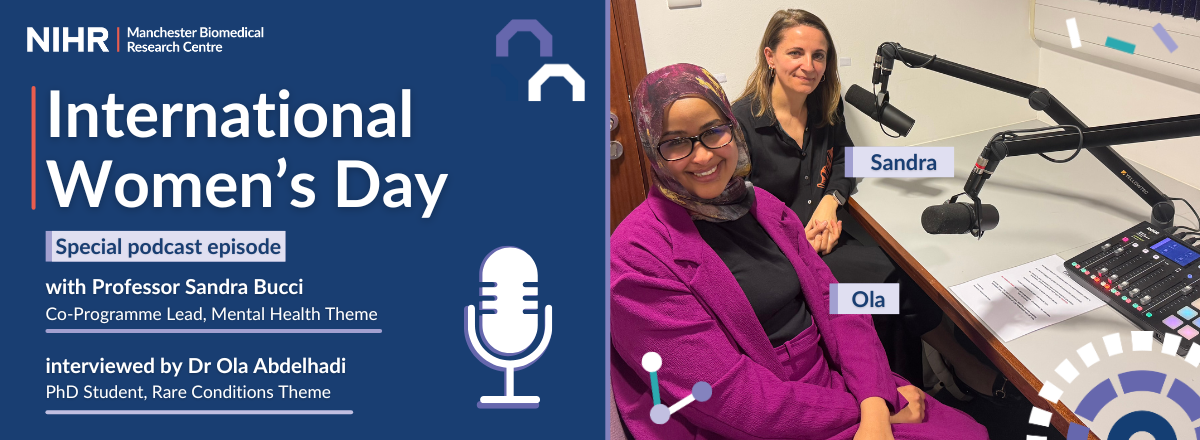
(1162, 213)
(1117, 134)
(1097, 142)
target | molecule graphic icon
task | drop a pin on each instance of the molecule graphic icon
(659, 413)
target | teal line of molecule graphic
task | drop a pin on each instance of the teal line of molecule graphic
(660, 413)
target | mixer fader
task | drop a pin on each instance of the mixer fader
(1149, 277)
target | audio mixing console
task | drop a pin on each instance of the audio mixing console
(1149, 277)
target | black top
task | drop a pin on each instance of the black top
(764, 274)
(800, 176)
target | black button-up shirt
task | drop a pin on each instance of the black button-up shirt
(798, 175)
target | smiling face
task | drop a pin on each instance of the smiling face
(799, 59)
(705, 172)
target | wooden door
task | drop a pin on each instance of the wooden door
(629, 172)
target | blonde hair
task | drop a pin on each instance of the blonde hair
(824, 99)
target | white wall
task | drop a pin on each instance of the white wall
(992, 35)
(1102, 93)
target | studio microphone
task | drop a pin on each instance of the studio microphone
(509, 330)
(889, 116)
(956, 218)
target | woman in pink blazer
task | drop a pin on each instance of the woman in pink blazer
(718, 278)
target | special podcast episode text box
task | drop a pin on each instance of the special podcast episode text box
(166, 246)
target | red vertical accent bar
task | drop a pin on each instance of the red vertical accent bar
(33, 147)
(118, 38)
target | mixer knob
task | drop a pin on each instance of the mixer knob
(1113, 277)
(1186, 289)
(1103, 271)
(1134, 292)
(1123, 285)
(1119, 250)
(1105, 247)
(1146, 299)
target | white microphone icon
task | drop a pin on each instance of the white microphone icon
(508, 331)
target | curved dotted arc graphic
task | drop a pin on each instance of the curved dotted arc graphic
(532, 26)
(1131, 381)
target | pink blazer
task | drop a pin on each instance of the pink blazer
(673, 295)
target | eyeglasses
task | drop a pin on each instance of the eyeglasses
(712, 139)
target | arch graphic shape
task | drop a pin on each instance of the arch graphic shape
(551, 70)
(518, 25)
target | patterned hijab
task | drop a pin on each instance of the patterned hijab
(654, 95)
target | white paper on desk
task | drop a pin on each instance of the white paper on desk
(1018, 301)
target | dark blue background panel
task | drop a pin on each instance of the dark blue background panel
(520, 173)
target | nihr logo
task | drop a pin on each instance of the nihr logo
(49, 40)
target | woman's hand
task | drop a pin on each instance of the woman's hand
(827, 212)
(814, 232)
(831, 236)
(874, 431)
(873, 423)
(915, 411)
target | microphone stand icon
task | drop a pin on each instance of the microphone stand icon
(509, 330)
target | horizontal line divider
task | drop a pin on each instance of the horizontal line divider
(205, 412)
(214, 330)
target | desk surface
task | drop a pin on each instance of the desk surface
(1045, 208)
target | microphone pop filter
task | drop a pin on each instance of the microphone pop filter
(955, 218)
(890, 116)
(950, 218)
(861, 99)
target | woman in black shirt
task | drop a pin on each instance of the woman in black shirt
(791, 113)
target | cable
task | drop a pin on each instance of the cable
(1073, 155)
(1189, 205)
(1007, 133)
(900, 56)
(884, 130)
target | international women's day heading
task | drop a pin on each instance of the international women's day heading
(144, 121)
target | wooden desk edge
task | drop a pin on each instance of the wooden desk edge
(995, 350)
